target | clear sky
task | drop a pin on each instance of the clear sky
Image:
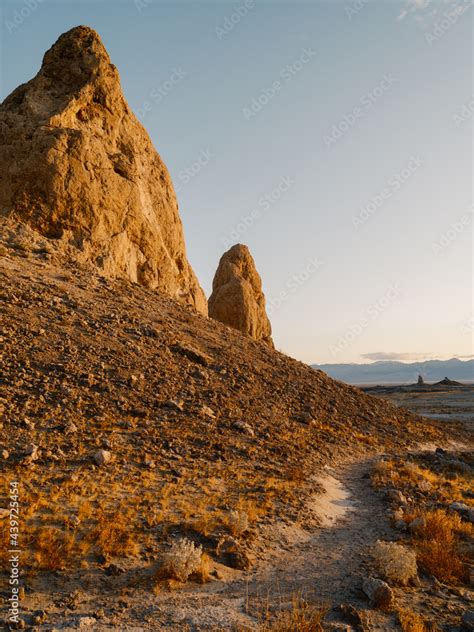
(333, 138)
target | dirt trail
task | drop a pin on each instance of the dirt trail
(325, 564)
(328, 565)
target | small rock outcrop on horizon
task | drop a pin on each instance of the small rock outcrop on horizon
(421, 381)
(237, 297)
(77, 165)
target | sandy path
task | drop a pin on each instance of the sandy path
(327, 565)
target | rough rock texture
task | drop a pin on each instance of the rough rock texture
(237, 298)
(76, 164)
(379, 592)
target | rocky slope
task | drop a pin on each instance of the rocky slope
(237, 297)
(76, 164)
(129, 420)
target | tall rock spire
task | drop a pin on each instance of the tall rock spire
(77, 165)
(237, 297)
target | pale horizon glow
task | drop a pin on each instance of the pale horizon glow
(335, 141)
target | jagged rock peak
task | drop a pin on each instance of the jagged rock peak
(77, 165)
(237, 297)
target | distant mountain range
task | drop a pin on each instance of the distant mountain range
(391, 372)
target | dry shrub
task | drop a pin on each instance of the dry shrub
(206, 524)
(302, 617)
(236, 521)
(113, 535)
(182, 560)
(437, 544)
(203, 574)
(382, 473)
(413, 622)
(396, 562)
(53, 549)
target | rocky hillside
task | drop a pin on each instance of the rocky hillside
(129, 419)
(76, 164)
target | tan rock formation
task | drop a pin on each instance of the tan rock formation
(237, 298)
(77, 165)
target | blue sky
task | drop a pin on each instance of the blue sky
(333, 138)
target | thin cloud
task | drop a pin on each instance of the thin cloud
(377, 356)
(424, 8)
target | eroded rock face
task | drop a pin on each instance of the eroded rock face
(76, 164)
(237, 298)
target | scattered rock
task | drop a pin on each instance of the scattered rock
(114, 570)
(237, 297)
(192, 354)
(174, 404)
(379, 592)
(244, 427)
(207, 412)
(39, 617)
(30, 454)
(102, 457)
(396, 496)
(70, 427)
(86, 622)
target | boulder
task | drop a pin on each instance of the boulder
(102, 457)
(78, 166)
(379, 592)
(237, 297)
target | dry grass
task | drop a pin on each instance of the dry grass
(299, 616)
(439, 533)
(438, 545)
(53, 549)
(412, 622)
(113, 535)
(411, 477)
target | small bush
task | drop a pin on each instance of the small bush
(53, 549)
(301, 617)
(113, 536)
(397, 563)
(413, 622)
(237, 522)
(438, 545)
(182, 560)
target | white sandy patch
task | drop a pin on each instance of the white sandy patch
(334, 503)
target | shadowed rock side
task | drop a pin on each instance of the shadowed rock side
(237, 298)
(76, 164)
